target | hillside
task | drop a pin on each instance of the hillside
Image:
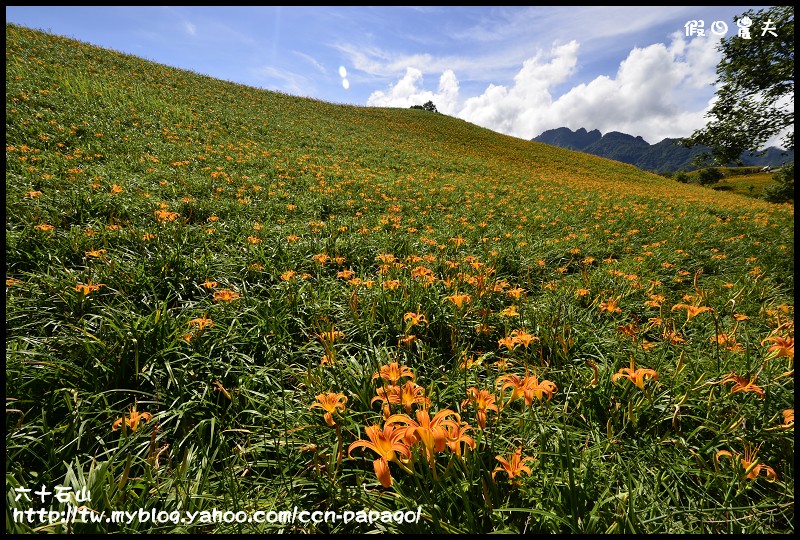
(224, 301)
(664, 156)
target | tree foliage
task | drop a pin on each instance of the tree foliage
(428, 106)
(755, 99)
(711, 175)
(783, 191)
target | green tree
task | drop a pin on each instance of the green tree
(709, 176)
(755, 99)
(783, 191)
(429, 106)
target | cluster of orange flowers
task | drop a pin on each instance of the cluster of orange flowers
(444, 430)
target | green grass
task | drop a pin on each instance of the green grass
(138, 194)
(746, 181)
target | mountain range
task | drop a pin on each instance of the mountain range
(665, 156)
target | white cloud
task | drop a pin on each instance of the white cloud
(311, 60)
(658, 91)
(292, 83)
(408, 91)
(514, 111)
(650, 96)
(190, 28)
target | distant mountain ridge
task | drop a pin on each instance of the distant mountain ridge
(665, 156)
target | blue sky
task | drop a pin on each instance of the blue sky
(515, 70)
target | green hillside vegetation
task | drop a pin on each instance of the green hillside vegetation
(748, 181)
(746, 184)
(220, 298)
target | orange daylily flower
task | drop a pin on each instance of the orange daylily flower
(788, 419)
(209, 284)
(655, 301)
(97, 253)
(456, 435)
(86, 289)
(225, 295)
(512, 381)
(431, 432)
(391, 284)
(389, 394)
(386, 258)
(508, 342)
(748, 462)
(330, 402)
(415, 318)
(345, 274)
(386, 442)
(636, 376)
(201, 323)
(691, 311)
(672, 337)
(459, 299)
(411, 393)
(523, 337)
(510, 311)
(393, 371)
(728, 341)
(132, 421)
(784, 346)
(502, 364)
(164, 215)
(321, 258)
(406, 395)
(514, 466)
(406, 340)
(483, 401)
(610, 306)
(533, 388)
(744, 384)
(515, 293)
(630, 329)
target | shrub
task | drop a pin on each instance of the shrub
(428, 106)
(784, 190)
(681, 177)
(709, 176)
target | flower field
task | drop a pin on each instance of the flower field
(223, 297)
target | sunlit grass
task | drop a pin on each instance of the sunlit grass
(214, 291)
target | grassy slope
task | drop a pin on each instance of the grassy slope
(356, 183)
